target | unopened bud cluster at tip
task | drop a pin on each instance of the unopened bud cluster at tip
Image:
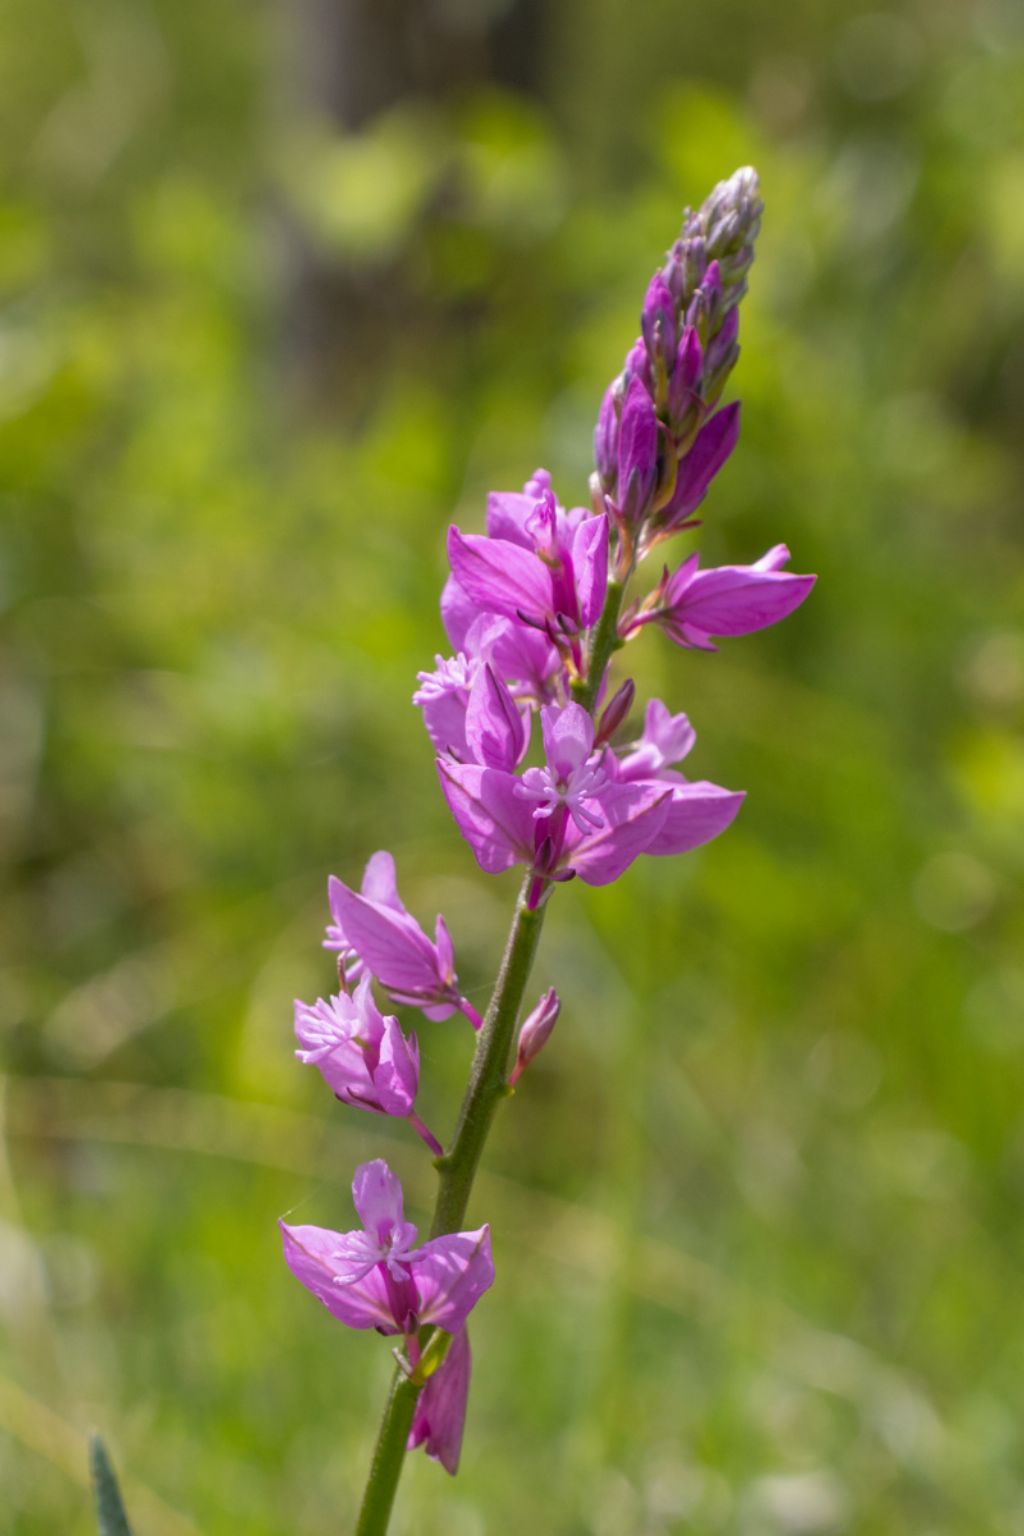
(653, 414)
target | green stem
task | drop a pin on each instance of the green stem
(488, 1085)
(486, 1088)
(488, 1079)
(605, 641)
(388, 1456)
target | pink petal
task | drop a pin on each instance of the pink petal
(633, 815)
(568, 737)
(671, 735)
(739, 599)
(396, 1077)
(451, 1274)
(495, 733)
(495, 822)
(390, 943)
(499, 576)
(696, 813)
(458, 613)
(507, 512)
(379, 883)
(333, 1269)
(711, 448)
(440, 1415)
(377, 1196)
(590, 563)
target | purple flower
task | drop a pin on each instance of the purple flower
(606, 436)
(389, 943)
(362, 1055)
(658, 323)
(692, 605)
(638, 453)
(666, 739)
(497, 734)
(440, 1414)
(694, 812)
(684, 385)
(377, 1277)
(443, 696)
(539, 565)
(470, 713)
(535, 1033)
(579, 815)
(378, 886)
(524, 658)
(711, 448)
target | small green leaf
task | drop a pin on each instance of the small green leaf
(109, 1509)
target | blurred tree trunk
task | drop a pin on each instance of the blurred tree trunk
(343, 62)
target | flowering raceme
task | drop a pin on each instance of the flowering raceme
(540, 769)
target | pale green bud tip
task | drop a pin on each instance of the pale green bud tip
(729, 218)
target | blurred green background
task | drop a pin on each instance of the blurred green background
(285, 290)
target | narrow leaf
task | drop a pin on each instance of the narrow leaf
(109, 1509)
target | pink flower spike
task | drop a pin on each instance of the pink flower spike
(440, 1416)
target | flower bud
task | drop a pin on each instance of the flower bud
(685, 268)
(658, 324)
(606, 436)
(535, 1033)
(722, 355)
(616, 711)
(723, 231)
(638, 453)
(685, 380)
(638, 365)
(728, 222)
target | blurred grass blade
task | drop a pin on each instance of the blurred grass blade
(109, 1509)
